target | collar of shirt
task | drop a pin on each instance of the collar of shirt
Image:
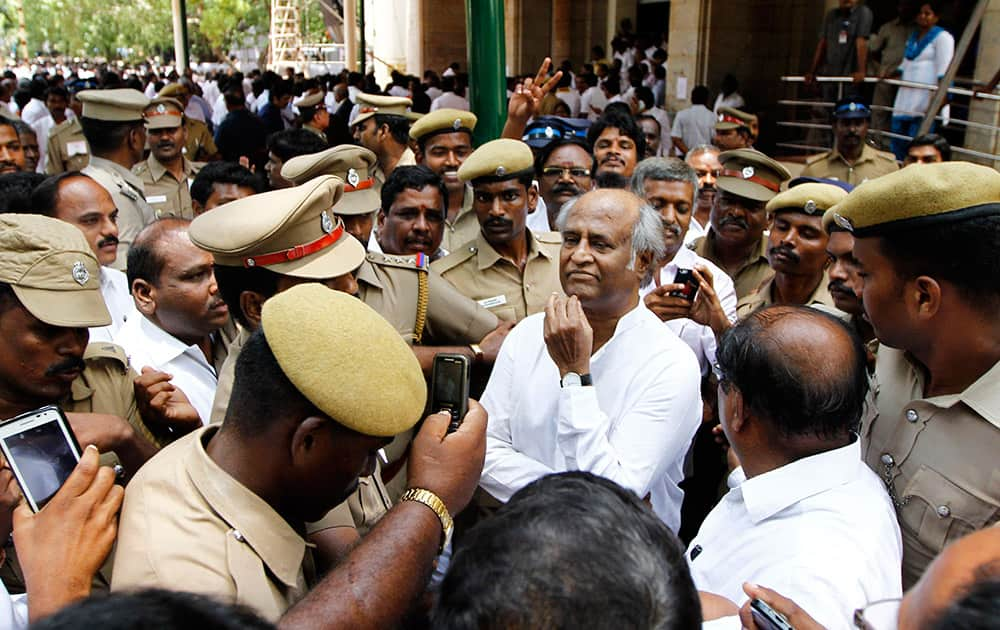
(367, 274)
(683, 259)
(487, 257)
(867, 155)
(161, 346)
(983, 396)
(130, 178)
(769, 493)
(157, 170)
(279, 546)
(466, 208)
(706, 248)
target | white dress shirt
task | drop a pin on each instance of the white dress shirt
(695, 231)
(699, 338)
(146, 344)
(821, 531)
(633, 426)
(13, 610)
(118, 298)
(34, 111)
(592, 97)
(538, 221)
(694, 125)
(450, 100)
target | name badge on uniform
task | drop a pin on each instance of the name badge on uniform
(156, 199)
(77, 147)
(498, 300)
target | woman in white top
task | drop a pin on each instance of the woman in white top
(929, 50)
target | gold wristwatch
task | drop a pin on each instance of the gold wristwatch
(434, 502)
(477, 351)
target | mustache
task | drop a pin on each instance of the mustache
(706, 188)
(69, 365)
(565, 187)
(673, 228)
(738, 221)
(110, 240)
(498, 222)
(838, 285)
(787, 251)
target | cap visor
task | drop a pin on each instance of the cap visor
(358, 202)
(361, 118)
(69, 309)
(342, 257)
(743, 188)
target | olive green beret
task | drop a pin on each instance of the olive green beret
(291, 231)
(812, 199)
(371, 104)
(122, 105)
(443, 121)
(164, 112)
(751, 174)
(314, 333)
(918, 196)
(498, 160)
(352, 164)
(732, 118)
(309, 100)
(52, 270)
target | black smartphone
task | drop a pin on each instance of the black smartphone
(685, 277)
(767, 618)
(41, 450)
(450, 387)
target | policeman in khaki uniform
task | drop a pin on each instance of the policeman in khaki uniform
(444, 142)
(506, 267)
(735, 240)
(189, 522)
(67, 148)
(811, 199)
(733, 129)
(852, 159)
(384, 145)
(936, 439)
(166, 174)
(315, 118)
(199, 145)
(112, 168)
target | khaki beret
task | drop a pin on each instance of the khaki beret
(121, 105)
(732, 118)
(291, 232)
(920, 195)
(371, 104)
(498, 160)
(443, 121)
(173, 89)
(350, 163)
(309, 99)
(751, 174)
(52, 270)
(313, 332)
(164, 112)
(811, 199)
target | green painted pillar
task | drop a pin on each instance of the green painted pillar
(484, 37)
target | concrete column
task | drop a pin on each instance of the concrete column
(981, 111)
(414, 38)
(388, 38)
(512, 35)
(561, 30)
(351, 35)
(687, 49)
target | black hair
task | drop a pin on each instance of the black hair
(7, 297)
(795, 395)
(626, 125)
(648, 117)
(699, 95)
(545, 152)
(106, 136)
(37, 86)
(153, 608)
(57, 90)
(932, 140)
(590, 79)
(967, 255)
(977, 609)
(399, 126)
(22, 97)
(45, 196)
(289, 143)
(16, 192)
(223, 173)
(235, 97)
(233, 281)
(262, 393)
(645, 95)
(412, 177)
(145, 259)
(545, 560)
(613, 85)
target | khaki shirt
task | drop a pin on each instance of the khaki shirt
(480, 273)
(751, 274)
(464, 228)
(764, 296)
(872, 163)
(315, 131)
(129, 196)
(406, 159)
(167, 196)
(939, 457)
(67, 148)
(187, 524)
(200, 143)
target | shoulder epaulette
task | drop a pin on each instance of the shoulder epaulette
(105, 350)
(418, 261)
(454, 259)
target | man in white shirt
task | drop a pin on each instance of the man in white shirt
(592, 99)
(451, 97)
(175, 292)
(704, 159)
(804, 514)
(77, 199)
(671, 186)
(596, 382)
(694, 125)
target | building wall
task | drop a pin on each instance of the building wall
(982, 111)
(443, 35)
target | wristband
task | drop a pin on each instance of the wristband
(431, 500)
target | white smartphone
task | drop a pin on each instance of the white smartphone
(41, 450)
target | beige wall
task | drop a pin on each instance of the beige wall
(443, 34)
(982, 111)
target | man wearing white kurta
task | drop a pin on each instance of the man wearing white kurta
(596, 382)
(804, 515)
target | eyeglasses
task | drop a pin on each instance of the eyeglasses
(557, 171)
(878, 615)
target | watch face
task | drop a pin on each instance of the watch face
(571, 378)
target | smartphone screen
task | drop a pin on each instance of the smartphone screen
(40, 453)
(448, 383)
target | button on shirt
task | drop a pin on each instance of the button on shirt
(820, 530)
(633, 426)
(699, 338)
(149, 345)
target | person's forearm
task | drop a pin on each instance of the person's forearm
(513, 129)
(52, 595)
(817, 56)
(353, 595)
(680, 146)
(425, 355)
(862, 45)
(133, 450)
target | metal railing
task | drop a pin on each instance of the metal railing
(843, 82)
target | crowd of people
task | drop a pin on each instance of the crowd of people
(702, 391)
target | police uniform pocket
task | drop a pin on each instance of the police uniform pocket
(506, 313)
(940, 511)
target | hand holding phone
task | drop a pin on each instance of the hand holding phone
(450, 387)
(41, 450)
(685, 277)
(767, 618)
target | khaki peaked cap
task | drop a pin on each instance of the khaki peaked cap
(443, 121)
(352, 164)
(751, 174)
(498, 160)
(371, 104)
(164, 112)
(120, 105)
(810, 198)
(732, 118)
